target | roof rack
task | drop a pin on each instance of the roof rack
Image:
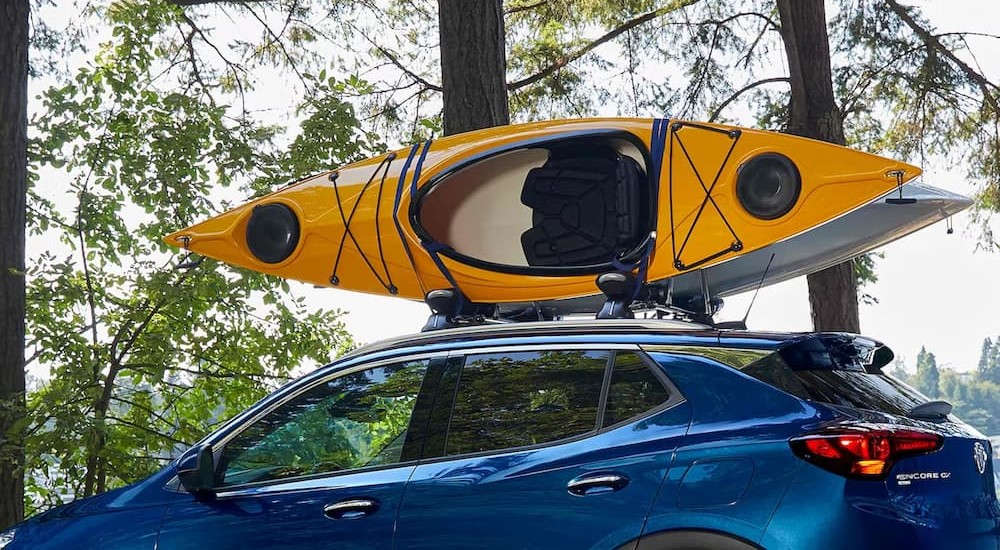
(623, 298)
(564, 326)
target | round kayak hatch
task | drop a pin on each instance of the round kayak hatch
(272, 232)
(768, 186)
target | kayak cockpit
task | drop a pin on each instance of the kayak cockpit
(569, 206)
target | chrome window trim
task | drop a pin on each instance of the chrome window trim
(312, 482)
(308, 482)
(543, 347)
(316, 482)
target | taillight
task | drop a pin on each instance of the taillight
(863, 451)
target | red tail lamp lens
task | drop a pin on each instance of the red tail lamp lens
(866, 452)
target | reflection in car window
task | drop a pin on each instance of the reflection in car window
(838, 386)
(634, 389)
(354, 421)
(508, 400)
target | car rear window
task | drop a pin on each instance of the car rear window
(838, 380)
(633, 390)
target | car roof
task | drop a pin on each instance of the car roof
(566, 327)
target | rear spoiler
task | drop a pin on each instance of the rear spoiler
(835, 351)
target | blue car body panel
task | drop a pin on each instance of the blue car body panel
(716, 461)
(734, 466)
(289, 514)
(463, 498)
(125, 518)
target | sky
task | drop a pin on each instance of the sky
(935, 289)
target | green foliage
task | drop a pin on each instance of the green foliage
(159, 129)
(989, 362)
(525, 398)
(356, 421)
(975, 395)
(928, 376)
(864, 271)
(143, 358)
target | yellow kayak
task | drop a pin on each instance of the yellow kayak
(535, 211)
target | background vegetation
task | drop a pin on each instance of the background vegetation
(973, 390)
(145, 115)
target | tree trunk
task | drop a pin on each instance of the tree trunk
(473, 64)
(13, 191)
(833, 292)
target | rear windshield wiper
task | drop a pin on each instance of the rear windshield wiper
(931, 410)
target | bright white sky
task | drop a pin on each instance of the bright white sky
(934, 289)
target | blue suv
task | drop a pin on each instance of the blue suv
(638, 434)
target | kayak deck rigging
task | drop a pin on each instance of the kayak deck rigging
(382, 167)
(675, 138)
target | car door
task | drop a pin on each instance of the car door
(542, 448)
(324, 468)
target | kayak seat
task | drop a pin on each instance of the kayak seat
(585, 210)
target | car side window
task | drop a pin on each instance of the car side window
(634, 389)
(354, 421)
(509, 400)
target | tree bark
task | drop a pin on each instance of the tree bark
(473, 64)
(813, 113)
(13, 192)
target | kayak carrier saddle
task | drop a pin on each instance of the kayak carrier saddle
(450, 309)
(622, 300)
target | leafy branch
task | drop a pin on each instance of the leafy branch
(606, 37)
(988, 89)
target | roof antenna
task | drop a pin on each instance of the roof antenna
(742, 323)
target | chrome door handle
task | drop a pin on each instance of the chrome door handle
(592, 484)
(351, 509)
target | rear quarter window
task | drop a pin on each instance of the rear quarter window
(837, 384)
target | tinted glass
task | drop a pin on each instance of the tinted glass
(354, 421)
(511, 400)
(853, 387)
(634, 389)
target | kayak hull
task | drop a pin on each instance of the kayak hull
(453, 212)
(872, 226)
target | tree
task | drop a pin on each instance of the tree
(884, 80)
(989, 362)
(928, 377)
(148, 350)
(13, 184)
(813, 113)
(899, 370)
(473, 65)
(157, 143)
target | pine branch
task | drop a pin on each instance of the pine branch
(743, 90)
(525, 7)
(205, 2)
(399, 64)
(276, 39)
(933, 42)
(606, 37)
(148, 430)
